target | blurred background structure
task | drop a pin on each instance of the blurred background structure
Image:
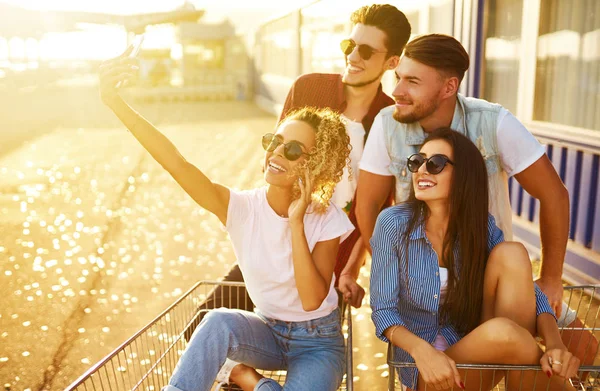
(96, 240)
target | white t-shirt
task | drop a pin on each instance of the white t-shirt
(346, 187)
(262, 242)
(517, 147)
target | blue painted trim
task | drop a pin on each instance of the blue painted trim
(563, 164)
(549, 151)
(532, 202)
(478, 50)
(593, 201)
(578, 262)
(520, 201)
(575, 195)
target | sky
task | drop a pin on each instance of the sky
(215, 9)
(105, 42)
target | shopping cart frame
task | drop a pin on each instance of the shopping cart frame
(146, 360)
(574, 296)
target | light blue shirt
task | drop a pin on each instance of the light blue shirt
(418, 311)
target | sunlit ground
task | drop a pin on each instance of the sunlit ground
(97, 239)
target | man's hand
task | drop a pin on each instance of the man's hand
(553, 288)
(353, 293)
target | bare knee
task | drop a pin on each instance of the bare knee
(510, 257)
(511, 341)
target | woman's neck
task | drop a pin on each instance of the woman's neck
(437, 220)
(279, 199)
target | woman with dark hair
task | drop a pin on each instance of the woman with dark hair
(446, 288)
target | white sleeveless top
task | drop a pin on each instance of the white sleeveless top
(440, 342)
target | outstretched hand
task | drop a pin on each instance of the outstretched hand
(117, 73)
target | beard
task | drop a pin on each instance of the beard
(419, 112)
(364, 83)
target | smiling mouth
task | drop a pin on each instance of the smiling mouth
(276, 167)
(422, 185)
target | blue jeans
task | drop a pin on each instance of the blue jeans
(312, 351)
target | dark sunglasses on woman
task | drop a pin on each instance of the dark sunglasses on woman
(364, 51)
(291, 150)
(434, 164)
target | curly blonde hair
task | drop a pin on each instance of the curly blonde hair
(328, 157)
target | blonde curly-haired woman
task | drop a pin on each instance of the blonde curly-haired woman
(285, 236)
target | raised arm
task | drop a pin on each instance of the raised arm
(211, 196)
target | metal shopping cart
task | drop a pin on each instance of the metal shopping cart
(147, 359)
(580, 335)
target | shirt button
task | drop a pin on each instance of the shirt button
(432, 312)
(437, 273)
(435, 296)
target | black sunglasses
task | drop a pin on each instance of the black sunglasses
(291, 150)
(434, 164)
(364, 51)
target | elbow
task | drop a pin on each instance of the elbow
(557, 197)
(313, 304)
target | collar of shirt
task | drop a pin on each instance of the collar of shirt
(380, 101)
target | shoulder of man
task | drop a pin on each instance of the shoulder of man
(317, 80)
(386, 116)
(476, 104)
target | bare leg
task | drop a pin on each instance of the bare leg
(245, 377)
(508, 287)
(508, 324)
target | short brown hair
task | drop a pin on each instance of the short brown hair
(388, 19)
(439, 51)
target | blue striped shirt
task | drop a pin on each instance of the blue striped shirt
(390, 300)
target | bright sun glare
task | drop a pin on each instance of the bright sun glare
(103, 41)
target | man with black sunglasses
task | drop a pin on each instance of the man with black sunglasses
(426, 98)
(374, 45)
(378, 36)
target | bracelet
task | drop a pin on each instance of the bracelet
(391, 338)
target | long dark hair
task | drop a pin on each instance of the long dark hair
(467, 229)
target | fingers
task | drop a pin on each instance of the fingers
(443, 378)
(108, 64)
(572, 368)
(307, 182)
(557, 304)
(561, 362)
(545, 364)
(360, 295)
(457, 379)
(117, 80)
(127, 51)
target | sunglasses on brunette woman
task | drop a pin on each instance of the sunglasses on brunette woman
(434, 164)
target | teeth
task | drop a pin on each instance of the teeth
(276, 167)
(426, 184)
(354, 68)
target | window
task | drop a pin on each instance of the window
(502, 46)
(567, 88)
